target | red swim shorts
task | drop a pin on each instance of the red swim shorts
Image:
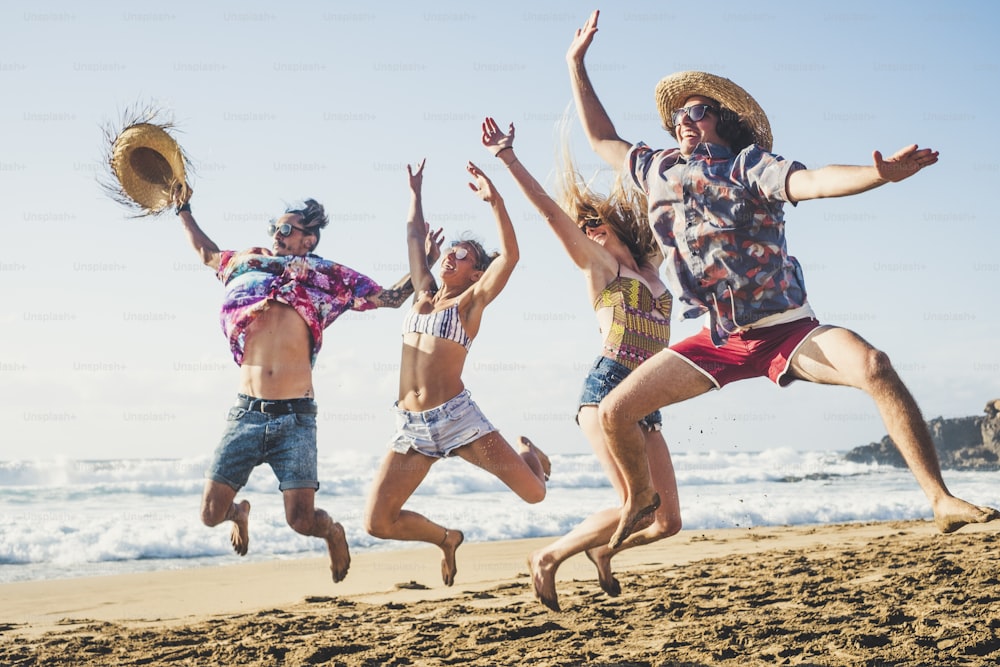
(747, 354)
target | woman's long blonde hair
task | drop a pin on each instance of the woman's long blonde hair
(623, 209)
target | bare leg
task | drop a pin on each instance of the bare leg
(385, 518)
(663, 380)
(524, 473)
(239, 536)
(307, 519)
(600, 556)
(217, 506)
(449, 545)
(839, 356)
(528, 450)
(592, 534)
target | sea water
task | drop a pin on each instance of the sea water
(70, 518)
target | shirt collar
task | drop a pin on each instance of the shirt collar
(712, 151)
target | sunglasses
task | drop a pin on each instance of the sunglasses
(284, 229)
(695, 112)
(591, 224)
(460, 252)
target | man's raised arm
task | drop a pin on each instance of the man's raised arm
(596, 124)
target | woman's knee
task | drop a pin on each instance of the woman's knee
(667, 526)
(374, 527)
(534, 494)
(378, 525)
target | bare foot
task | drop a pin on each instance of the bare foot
(952, 513)
(543, 579)
(449, 568)
(632, 519)
(601, 557)
(340, 555)
(527, 445)
(240, 534)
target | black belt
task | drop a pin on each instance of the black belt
(302, 406)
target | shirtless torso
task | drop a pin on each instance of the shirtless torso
(276, 355)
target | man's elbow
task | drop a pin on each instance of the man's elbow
(612, 151)
(211, 260)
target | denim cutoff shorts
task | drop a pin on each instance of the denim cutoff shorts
(440, 431)
(606, 374)
(286, 442)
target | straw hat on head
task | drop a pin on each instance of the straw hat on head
(146, 163)
(673, 90)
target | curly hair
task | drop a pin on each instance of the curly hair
(733, 130)
(314, 217)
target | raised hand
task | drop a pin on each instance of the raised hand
(493, 137)
(180, 193)
(584, 36)
(482, 185)
(903, 163)
(432, 244)
(416, 176)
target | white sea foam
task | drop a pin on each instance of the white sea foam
(62, 518)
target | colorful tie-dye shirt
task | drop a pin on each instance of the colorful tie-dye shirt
(318, 289)
(719, 219)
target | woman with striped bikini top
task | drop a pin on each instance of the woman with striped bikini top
(438, 323)
(434, 411)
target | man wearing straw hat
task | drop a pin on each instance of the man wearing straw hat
(715, 206)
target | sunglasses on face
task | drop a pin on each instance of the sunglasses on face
(591, 224)
(460, 252)
(284, 229)
(695, 112)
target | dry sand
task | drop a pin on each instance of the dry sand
(860, 594)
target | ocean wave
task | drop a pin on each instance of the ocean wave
(68, 518)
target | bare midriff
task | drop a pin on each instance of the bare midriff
(276, 355)
(431, 371)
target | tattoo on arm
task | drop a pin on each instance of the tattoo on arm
(393, 297)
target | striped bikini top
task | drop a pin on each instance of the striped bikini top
(635, 333)
(440, 324)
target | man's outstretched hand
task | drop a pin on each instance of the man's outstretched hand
(903, 163)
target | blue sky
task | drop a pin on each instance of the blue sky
(110, 344)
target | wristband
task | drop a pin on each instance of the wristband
(186, 206)
(505, 148)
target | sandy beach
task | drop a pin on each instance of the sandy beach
(860, 594)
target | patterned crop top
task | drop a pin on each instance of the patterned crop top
(440, 324)
(635, 333)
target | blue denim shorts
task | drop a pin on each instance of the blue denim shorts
(440, 431)
(286, 442)
(606, 374)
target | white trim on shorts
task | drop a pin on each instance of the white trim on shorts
(695, 366)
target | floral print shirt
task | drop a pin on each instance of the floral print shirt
(718, 217)
(318, 289)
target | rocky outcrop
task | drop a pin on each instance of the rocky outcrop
(963, 443)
